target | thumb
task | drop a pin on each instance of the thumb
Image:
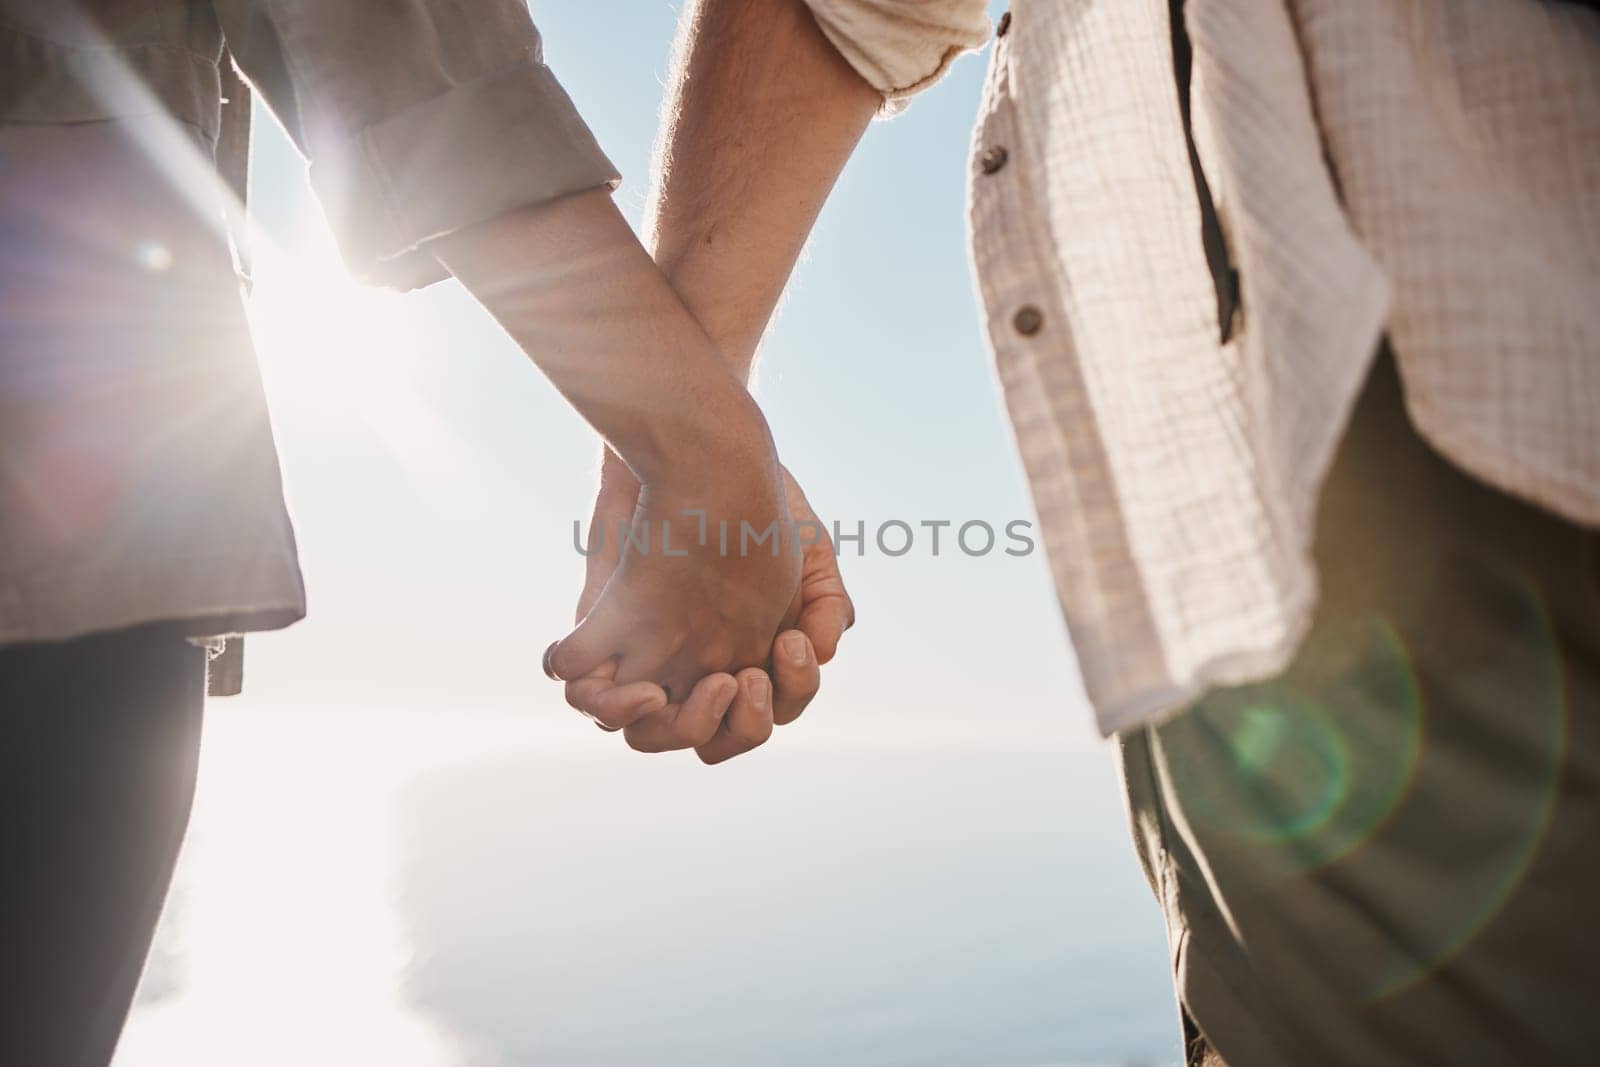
(594, 641)
(598, 570)
(611, 516)
(824, 621)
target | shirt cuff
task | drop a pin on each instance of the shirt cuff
(503, 141)
(902, 46)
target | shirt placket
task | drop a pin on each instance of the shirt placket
(1026, 314)
(999, 208)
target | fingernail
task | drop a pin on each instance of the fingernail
(760, 692)
(549, 667)
(794, 646)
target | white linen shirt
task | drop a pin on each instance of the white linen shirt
(1429, 169)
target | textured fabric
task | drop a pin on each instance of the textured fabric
(99, 746)
(1471, 168)
(58, 59)
(1385, 855)
(1429, 165)
(418, 118)
(138, 476)
(901, 46)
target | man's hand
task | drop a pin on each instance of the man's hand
(725, 715)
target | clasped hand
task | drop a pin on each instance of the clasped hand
(709, 644)
(712, 645)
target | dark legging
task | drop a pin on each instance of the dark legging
(99, 741)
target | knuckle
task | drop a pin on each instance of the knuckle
(610, 718)
(787, 715)
(752, 734)
(679, 687)
(712, 658)
(640, 741)
(702, 734)
(713, 756)
(563, 662)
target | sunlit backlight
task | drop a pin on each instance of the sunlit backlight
(282, 942)
(326, 343)
(333, 351)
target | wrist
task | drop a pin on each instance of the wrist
(711, 448)
(735, 321)
(729, 479)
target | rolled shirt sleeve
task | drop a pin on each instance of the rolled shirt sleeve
(418, 118)
(902, 46)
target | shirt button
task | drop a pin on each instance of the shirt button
(1028, 320)
(994, 158)
(1005, 24)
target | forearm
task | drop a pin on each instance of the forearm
(572, 285)
(761, 115)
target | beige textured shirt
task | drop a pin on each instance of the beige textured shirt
(1425, 168)
(138, 478)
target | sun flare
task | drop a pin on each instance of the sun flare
(331, 349)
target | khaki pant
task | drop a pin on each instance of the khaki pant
(1390, 854)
